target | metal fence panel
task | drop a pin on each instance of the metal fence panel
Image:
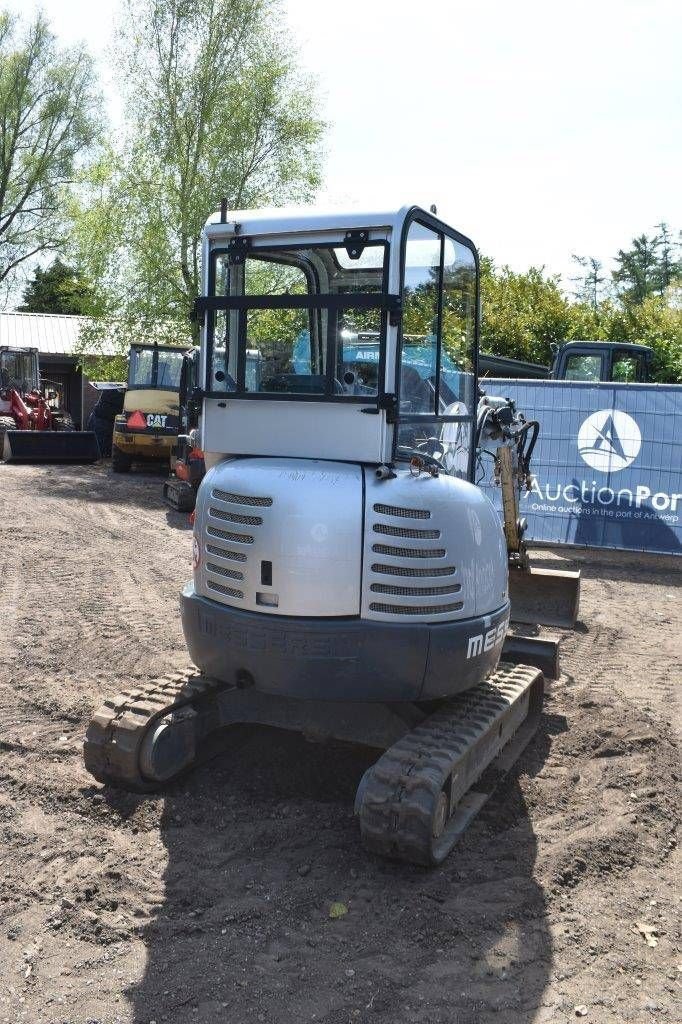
(608, 463)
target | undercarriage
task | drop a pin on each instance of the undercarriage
(412, 805)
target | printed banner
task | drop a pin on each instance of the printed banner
(607, 465)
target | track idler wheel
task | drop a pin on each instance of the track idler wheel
(145, 738)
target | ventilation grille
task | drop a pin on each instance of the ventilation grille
(234, 556)
(239, 538)
(232, 574)
(404, 513)
(241, 499)
(385, 588)
(406, 609)
(227, 591)
(235, 517)
(399, 570)
(401, 531)
(385, 549)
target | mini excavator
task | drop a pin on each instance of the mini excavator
(350, 579)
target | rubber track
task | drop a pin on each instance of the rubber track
(396, 813)
(117, 730)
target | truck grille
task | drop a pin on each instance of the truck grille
(238, 538)
(235, 517)
(220, 570)
(385, 588)
(227, 591)
(234, 556)
(386, 549)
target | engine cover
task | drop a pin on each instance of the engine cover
(317, 539)
(281, 536)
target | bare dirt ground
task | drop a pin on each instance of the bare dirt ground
(211, 902)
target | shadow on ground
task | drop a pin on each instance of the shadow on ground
(261, 842)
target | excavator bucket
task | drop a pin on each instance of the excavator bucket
(544, 597)
(50, 446)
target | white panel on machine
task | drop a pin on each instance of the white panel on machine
(328, 430)
(281, 536)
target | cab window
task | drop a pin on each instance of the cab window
(583, 367)
(626, 367)
(436, 398)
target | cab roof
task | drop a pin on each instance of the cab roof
(296, 219)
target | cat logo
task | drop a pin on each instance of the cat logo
(154, 419)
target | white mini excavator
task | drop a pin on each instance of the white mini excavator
(351, 581)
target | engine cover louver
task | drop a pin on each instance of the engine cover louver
(213, 569)
(410, 573)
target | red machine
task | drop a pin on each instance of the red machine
(30, 417)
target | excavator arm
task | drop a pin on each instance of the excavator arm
(546, 597)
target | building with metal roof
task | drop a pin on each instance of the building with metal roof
(58, 340)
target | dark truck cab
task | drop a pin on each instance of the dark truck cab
(602, 361)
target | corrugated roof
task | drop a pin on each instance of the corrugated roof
(51, 333)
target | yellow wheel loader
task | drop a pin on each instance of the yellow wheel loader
(147, 429)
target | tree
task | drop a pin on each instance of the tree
(637, 273)
(57, 289)
(590, 281)
(47, 123)
(524, 314)
(215, 109)
(669, 264)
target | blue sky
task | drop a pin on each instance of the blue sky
(538, 128)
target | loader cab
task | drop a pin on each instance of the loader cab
(595, 361)
(19, 369)
(154, 367)
(148, 426)
(363, 329)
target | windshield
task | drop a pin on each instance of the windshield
(19, 369)
(282, 343)
(155, 368)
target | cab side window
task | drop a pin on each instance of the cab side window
(626, 367)
(436, 399)
(420, 320)
(583, 367)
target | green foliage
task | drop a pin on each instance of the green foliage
(215, 109)
(523, 314)
(57, 289)
(48, 125)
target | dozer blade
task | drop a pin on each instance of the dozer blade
(50, 446)
(544, 597)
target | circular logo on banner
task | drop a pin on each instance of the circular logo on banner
(609, 440)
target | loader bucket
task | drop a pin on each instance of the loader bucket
(50, 446)
(544, 597)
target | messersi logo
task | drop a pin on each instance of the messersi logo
(609, 440)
